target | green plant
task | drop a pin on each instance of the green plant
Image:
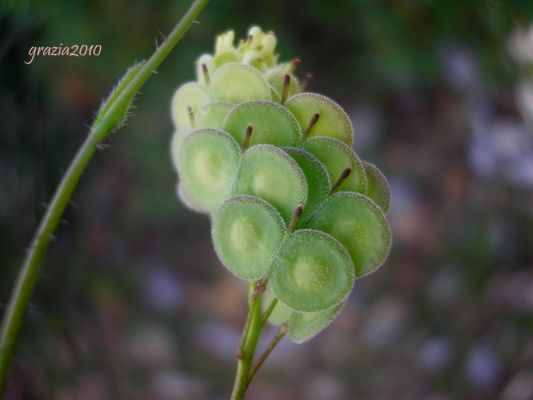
(294, 210)
(111, 116)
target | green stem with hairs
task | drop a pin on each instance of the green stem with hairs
(255, 322)
(246, 351)
(111, 116)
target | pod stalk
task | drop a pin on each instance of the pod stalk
(190, 113)
(247, 137)
(312, 123)
(294, 220)
(286, 84)
(344, 175)
(205, 71)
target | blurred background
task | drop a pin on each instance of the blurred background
(132, 302)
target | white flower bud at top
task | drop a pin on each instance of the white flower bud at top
(254, 31)
(224, 42)
(228, 40)
(269, 43)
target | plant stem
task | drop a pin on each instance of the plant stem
(250, 337)
(262, 358)
(255, 322)
(113, 113)
(269, 310)
(252, 296)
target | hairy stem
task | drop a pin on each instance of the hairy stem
(255, 322)
(111, 115)
(250, 337)
(252, 297)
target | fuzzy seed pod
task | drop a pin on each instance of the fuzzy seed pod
(289, 199)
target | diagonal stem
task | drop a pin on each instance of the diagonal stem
(255, 322)
(113, 113)
(262, 358)
(269, 310)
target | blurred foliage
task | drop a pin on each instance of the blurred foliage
(132, 302)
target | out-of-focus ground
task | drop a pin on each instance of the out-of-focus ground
(132, 302)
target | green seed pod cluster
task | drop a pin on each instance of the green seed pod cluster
(290, 201)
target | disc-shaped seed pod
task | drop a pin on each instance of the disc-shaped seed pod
(269, 123)
(212, 115)
(360, 225)
(320, 116)
(175, 146)
(312, 272)
(265, 161)
(207, 165)
(378, 188)
(271, 174)
(228, 57)
(237, 83)
(276, 98)
(186, 198)
(304, 326)
(336, 157)
(277, 78)
(186, 102)
(318, 182)
(247, 233)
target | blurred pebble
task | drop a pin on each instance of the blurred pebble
(459, 68)
(436, 354)
(483, 366)
(403, 195)
(500, 148)
(410, 222)
(227, 339)
(162, 290)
